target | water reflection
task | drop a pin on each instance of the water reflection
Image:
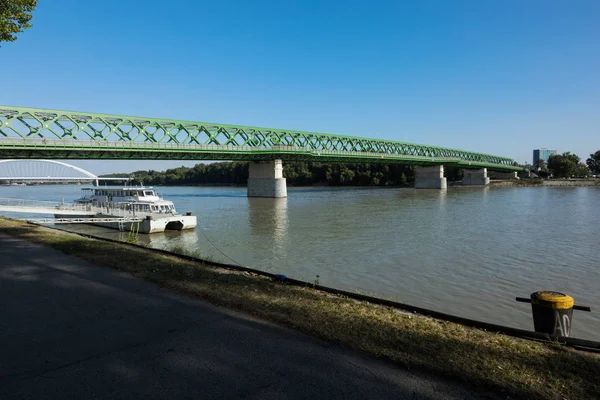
(268, 220)
(169, 240)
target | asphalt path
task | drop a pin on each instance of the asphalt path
(72, 330)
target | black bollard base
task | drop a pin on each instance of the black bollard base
(552, 313)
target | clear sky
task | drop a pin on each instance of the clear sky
(501, 77)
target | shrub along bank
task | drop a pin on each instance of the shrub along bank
(518, 368)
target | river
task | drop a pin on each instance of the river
(467, 251)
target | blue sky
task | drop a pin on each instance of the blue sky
(501, 77)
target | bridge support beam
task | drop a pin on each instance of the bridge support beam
(475, 177)
(265, 179)
(430, 178)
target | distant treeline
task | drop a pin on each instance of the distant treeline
(297, 174)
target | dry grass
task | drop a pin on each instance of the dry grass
(516, 368)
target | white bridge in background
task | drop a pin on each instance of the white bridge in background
(40, 171)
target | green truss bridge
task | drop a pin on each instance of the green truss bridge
(32, 133)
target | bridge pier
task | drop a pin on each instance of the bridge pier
(430, 177)
(265, 179)
(475, 177)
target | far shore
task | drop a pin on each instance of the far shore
(493, 183)
(546, 182)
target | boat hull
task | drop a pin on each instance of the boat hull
(150, 224)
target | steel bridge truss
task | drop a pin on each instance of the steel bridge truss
(41, 133)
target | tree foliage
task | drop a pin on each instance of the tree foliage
(581, 171)
(14, 18)
(564, 165)
(296, 173)
(540, 165)
(593, 162)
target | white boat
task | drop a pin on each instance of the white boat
(134, 198)
(154, 213)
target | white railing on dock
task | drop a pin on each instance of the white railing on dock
(10, 202)
(81, 220)
(102, 209)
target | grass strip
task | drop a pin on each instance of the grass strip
(494, 362)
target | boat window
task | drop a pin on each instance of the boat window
(140, 193)
(149, 193)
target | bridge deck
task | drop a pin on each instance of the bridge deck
(38, 133)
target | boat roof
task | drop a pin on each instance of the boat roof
(119, 188)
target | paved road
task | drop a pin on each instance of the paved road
(71, 330)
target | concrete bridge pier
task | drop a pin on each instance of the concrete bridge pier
(430, 178)
(265, 179)
(475, 177)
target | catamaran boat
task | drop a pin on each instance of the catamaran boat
(152, 212)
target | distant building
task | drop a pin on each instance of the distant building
(542, 154)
